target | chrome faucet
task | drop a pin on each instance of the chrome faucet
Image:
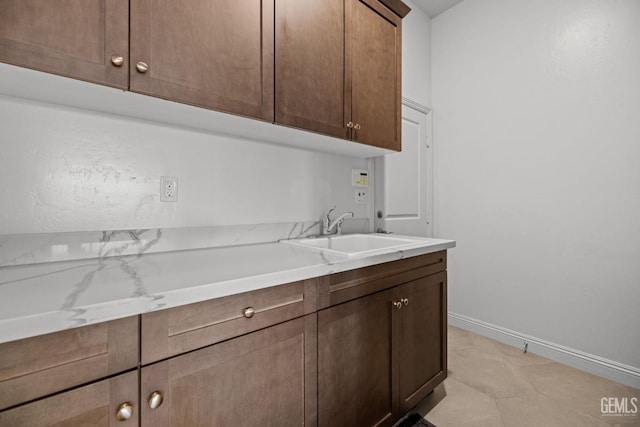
(328, 224)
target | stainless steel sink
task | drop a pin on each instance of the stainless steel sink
(356, 244)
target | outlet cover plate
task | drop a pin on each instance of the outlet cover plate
(169, 189)
(361, 195)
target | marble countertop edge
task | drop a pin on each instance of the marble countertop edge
(304, 263)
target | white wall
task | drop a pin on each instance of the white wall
(537, 177)
(416, 56)
(66, 169)
(72, 170)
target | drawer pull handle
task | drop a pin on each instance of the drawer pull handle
(397, 304)
(124, 412)
(248, 312)
(155, 399)
(356, 126)
(405, 301)
(350, 125)
(117, 60)
(142, 67)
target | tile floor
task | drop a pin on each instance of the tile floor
(492, 384)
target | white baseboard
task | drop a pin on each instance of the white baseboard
(615, 371)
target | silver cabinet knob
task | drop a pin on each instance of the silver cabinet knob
(155, 399)
(142, 67)
(397, 304)
(356, 126)
(117, 60)
(248, 312)
(350, 125)
(124, 412)
(405, 301)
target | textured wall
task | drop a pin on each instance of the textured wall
(416, 56)
(72, 170)
(537, 146)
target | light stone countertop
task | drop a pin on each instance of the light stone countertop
(41, 298)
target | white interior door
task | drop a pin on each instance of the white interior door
(403, 189)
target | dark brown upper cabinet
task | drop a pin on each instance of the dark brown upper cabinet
(212, 54)
(338, 69)
(330, 66)
(83, 39)
(310, 65)
(373, 73)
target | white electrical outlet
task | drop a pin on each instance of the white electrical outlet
(169, 189)
(361, 195)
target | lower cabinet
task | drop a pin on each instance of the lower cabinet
(420, 338)
(265, 378)
(354, 362)
(105, 403)
(263, 358)
(379, 355)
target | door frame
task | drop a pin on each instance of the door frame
(378, 167)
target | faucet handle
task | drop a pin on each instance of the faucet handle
(341, 220)
(327, 218)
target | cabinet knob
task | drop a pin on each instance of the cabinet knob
(124, 412)
(117, 60)
(350, 125)
(155, 399)
(356, 126)
(405, 301)
(248, 312)
(397, 304)
(142, 67)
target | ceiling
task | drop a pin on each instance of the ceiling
(434, 8)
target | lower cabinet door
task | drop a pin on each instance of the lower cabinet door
(421, 338)
(354, 363)
(112, 402)
(265, 378)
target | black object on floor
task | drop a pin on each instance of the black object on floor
(415, 420)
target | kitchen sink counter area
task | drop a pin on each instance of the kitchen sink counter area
(37, 299)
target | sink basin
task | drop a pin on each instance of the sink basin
(355, 244)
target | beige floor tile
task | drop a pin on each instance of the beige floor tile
(464, 406)
(536, 411)
(493, 384)
(489, 373)
(580, 390)
(458, 338)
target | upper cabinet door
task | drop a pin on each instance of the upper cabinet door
(310, 81)
(213, 54)
(373, 64)
(83, 39)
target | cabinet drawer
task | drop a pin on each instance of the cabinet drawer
(264, 378)
(36, 367)
(177, 330)
(348, 285)
(96, 404)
